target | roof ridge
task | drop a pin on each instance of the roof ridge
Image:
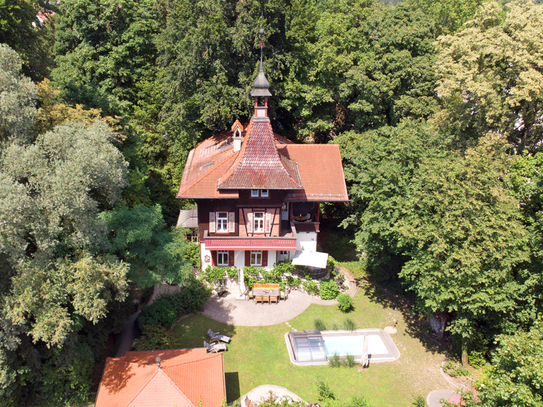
(151, 379)
(200, 358)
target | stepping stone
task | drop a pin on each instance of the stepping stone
(390, 330)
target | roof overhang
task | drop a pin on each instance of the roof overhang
(311, 259)
(255, 243)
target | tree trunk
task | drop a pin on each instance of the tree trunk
(464, 352)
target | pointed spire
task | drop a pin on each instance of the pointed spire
(261, 84)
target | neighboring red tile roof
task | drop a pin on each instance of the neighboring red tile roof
(268, 243)
(186, 377)
(259, 165)
(321, 171)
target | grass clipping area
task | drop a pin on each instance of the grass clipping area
(258, 355)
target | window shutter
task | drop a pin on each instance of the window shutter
(230, 258)
(268, 223)
(212, 223)
(264, 258)
(231, 222)
(247, 257)
(213, 258)
(250, 222)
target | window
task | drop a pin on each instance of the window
(222, 258)
(259, 222)
(256, 258)
(222, 222)
(263, 193)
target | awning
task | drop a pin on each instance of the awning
(236, 243)
(311, 259)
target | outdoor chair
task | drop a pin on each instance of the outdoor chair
(215, 348)
(215, 337)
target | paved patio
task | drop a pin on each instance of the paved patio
(230, 310)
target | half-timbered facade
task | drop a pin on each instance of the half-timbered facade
(258, 194)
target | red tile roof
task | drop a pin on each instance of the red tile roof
(186, 377)
(315, 168)
(268, 243)
(321, 171)
(259, 165)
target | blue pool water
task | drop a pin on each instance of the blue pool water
(353, 345)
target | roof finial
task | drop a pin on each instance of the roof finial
(261, 84)
(158, 363)
(261, 33)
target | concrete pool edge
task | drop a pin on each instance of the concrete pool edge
(392, 355)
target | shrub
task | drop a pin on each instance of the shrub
(294, 282)
(319, 324)
(329, 289)
(331, 265)
(156, 338)
(311, 287)
(161, 312)
(232, 272)
(345, 302)
(335, 361)
(193, 254)
(348, 361)
(477, 359)
(166, 309)
(349, 325)
(283, 267)
(214, 274)
(419, 401)
(358, 401)
(325, 392)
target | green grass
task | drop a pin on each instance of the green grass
(258, 355)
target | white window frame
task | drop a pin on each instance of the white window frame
(222, 258)
(264, 193)
(259, 218)
(222, 222)
(254, 193)
(256, 257)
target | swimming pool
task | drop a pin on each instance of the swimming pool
(353, 345)
(317, 347)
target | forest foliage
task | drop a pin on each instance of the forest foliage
(437, 108)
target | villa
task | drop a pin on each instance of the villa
(258, 194)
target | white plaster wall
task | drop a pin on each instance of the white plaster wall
(239, 258)
(306, 241)
(203, 253)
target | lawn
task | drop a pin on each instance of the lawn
(258, 355)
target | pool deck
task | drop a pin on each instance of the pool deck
(392, 354)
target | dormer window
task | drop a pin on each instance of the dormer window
(262, 193)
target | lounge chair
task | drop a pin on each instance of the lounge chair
(215, 337)
(215, 348)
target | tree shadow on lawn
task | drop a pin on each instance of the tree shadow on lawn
(416, 326)
(193, 330)
(232, 385)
